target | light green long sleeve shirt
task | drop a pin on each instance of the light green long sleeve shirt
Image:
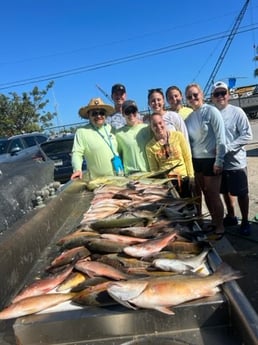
(89, 144)
(131, 147)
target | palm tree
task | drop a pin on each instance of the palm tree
(256, 70)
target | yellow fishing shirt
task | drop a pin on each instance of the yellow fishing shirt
(178, 154)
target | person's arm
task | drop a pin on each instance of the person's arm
(187, 156)
(153, 164)
(76, 174)
(244, 132)
(77, 156)
(218, 127)
(181, 126)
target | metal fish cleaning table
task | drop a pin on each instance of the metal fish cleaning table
(226, 318)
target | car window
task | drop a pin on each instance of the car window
(3, 146)
(58, 146)
(40, 139)
(30, 141)
(15, 143)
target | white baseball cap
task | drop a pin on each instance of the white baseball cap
(219, 85)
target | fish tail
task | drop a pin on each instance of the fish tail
(227, 273)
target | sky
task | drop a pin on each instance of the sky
(85, 46)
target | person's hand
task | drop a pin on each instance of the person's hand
(217, 170)
(76, 174)
(192, 184)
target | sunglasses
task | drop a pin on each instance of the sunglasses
(100, 112)
(130, 111)
(192, 96)
(219, 93)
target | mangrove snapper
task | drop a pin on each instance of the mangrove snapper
(94, 268)
(42, 286)
(35, 304)
(149, 247)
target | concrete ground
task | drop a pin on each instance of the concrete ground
(244, 253)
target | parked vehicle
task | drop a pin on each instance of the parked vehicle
(22, 146)
(60, 150)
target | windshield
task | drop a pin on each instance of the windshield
(3, 145)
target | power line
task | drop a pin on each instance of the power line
(133, 57)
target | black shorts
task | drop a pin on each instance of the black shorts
(234, 182)
(204, 166)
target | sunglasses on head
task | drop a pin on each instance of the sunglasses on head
(130, 110)
(100, 112)
(219, 93)
(192, 96)
(158, 89)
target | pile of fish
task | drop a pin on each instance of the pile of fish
(134, 246)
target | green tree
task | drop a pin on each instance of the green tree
(26, 112)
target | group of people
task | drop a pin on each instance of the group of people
(200, 146)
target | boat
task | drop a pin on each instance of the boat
(246, 97)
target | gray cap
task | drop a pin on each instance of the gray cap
(128, 104)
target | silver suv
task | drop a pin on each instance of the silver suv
(20, 146)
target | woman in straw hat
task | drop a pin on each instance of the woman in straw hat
(94, 142)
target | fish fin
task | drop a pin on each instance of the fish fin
(188, 268)
(165, 310)
(90, 273)
(126, 292)
(121, 301)
(200, 270)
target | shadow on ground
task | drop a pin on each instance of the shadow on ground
(252, 152)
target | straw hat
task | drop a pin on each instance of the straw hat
(95, 103)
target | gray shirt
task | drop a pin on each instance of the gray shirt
(206, 132)
(238, 133)
(116, 120)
